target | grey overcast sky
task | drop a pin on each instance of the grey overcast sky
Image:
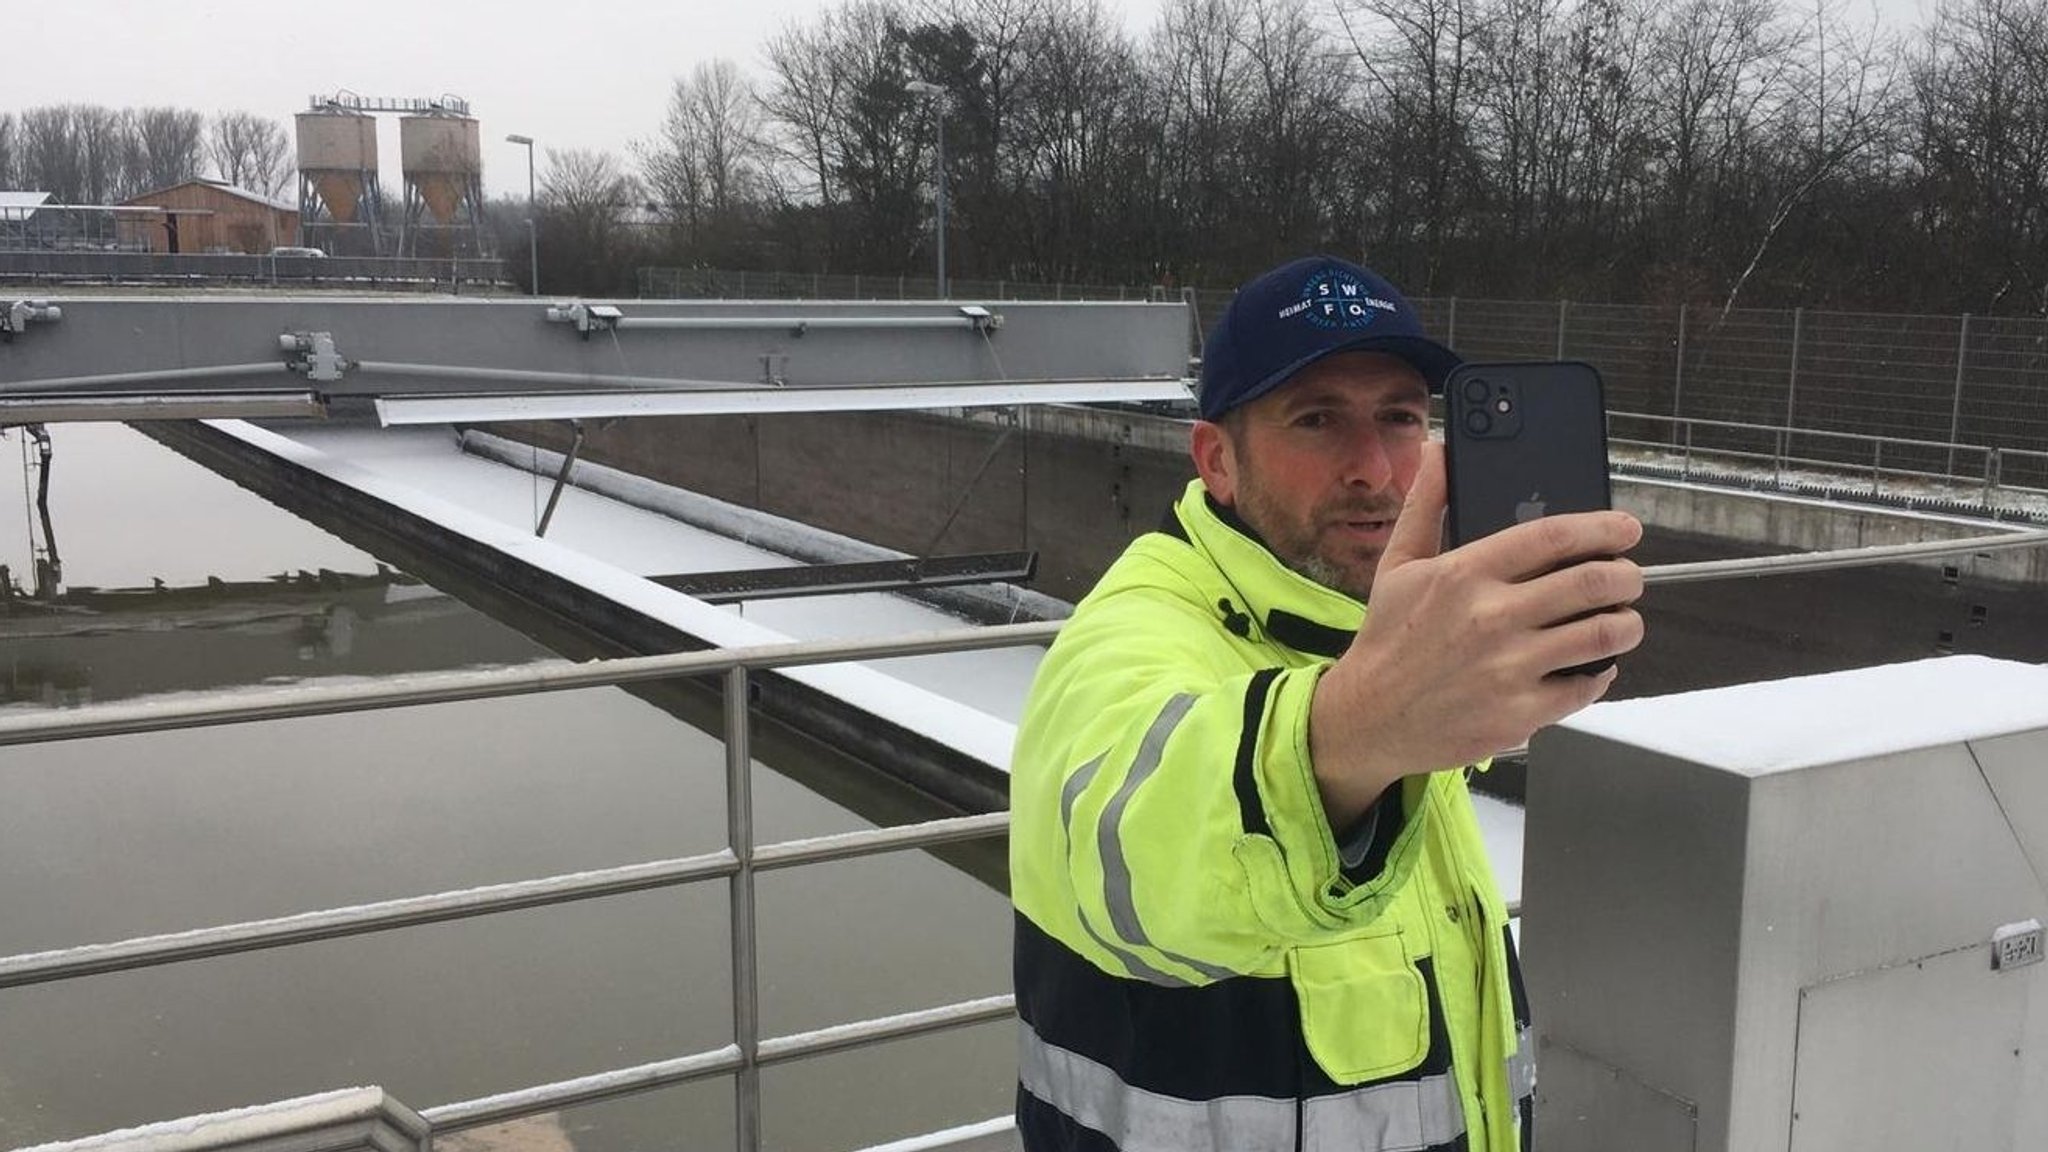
(570, 75)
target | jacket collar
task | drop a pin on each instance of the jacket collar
(1289, 608)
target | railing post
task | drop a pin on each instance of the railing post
(1792, 377)
(1678, 381)
(1451, 325)
(1993, 462)
(1562, 306)
(1876, 464)
(746, 991)
(1955, 409)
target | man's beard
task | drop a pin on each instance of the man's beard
(1293, 540)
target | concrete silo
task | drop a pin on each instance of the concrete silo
(442, 157)
(339, 197)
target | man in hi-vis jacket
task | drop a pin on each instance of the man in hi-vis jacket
(1253, 908)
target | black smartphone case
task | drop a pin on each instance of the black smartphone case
(1554, 460)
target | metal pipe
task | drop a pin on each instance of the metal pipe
(746, 989)
(1955, 410)
(445, 687)
(581, 1090)
(795, 324)
(869, 842)
(1840, 558)
(153, 376)
(532, 376)
(841, 1037)
(700, 398)
(648, 1077)
(332, 923)
(561, 479)
(87, 408)
(282, 931)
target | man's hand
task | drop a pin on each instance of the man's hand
(1457, 657)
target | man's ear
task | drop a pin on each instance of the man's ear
(1215, 460)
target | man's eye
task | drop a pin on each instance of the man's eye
(1312, 420)
(1403, 417)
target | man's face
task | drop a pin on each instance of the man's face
(1319, 466)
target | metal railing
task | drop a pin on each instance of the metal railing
(1718, 450)
(738, 863)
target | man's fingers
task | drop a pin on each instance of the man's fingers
(1419, 531)
(1538, 547)
(1582, 641)
(1577, 589)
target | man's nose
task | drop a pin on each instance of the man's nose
(1368, 465)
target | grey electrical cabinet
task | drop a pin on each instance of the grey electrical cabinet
(1794, 916)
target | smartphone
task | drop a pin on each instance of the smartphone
(1524, 440)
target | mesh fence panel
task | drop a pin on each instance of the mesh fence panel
(1826, 386)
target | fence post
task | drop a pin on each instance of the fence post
(739, 827)
(816, 292)
(743, 284)
(856, 285)
(1678, 378)
(1002, 289)
(899, 288)
(1792, 377)
(1562, 305)
(1955, 410)
(1451, 324)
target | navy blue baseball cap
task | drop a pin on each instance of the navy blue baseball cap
(1301, 312)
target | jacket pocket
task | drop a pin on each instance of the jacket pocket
(1364, 1007)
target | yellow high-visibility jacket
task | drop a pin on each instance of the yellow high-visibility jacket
(1197, 964)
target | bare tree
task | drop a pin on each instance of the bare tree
(250, 151)
(171, 146)
(10, 151)
(805, 100)
(707, 160)
(1418, 60)
(49, 153)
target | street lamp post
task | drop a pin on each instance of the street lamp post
(532, 237)
(937, 92)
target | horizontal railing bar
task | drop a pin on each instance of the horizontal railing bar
(861, 1033)
(334, 923)
(278, 932)
(665, 1073)
(449, 687)
(949, 1137)
(592, 1089)
(1839, 558)
(873, 841)
(1863, 437)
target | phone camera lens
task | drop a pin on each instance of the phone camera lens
(1503, 405)
(1476, 390)
(1478, 422)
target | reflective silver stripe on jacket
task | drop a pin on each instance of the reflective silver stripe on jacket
(1135, 965)
(1117, 890)
(1522, 1066)
(1402, 1116)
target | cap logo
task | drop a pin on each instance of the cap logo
(1334, 298)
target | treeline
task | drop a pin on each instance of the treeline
(88, 154)
(1769, 152)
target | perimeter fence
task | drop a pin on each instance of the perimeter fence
(1959, 396)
